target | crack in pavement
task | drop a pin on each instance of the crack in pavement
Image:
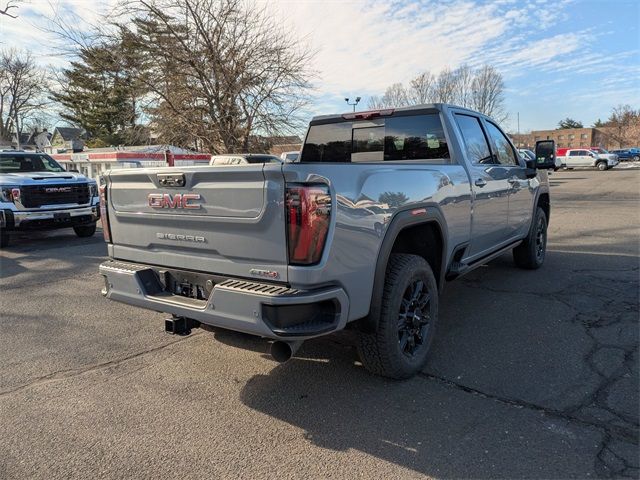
(607, 464)
(74, 372)
(623, 433)
(611, 315)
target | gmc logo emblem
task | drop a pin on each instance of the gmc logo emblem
(179, 200)
(57, 189)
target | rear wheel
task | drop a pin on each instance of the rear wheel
(602, 166)
(85, 230)
(398, 348)
(530, 254)
(636, 158)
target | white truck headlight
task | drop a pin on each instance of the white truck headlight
(9, 193)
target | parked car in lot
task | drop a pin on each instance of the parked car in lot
(527, 154)
(290, 156)
(628, 154)
(243, 159)
(530, 155)
(583, 157)
(36, 193)
(382, 209)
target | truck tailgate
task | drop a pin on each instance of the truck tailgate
(232, 221)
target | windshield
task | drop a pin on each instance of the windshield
(28, 163)
(599, 150)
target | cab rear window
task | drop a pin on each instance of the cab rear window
(415, 137)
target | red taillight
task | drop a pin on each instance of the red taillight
(104, 219)
(308, 216)
(367, 115)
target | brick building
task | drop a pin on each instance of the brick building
(605, 137)
(567, 138)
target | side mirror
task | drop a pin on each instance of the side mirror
(545, 154)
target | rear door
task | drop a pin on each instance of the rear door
(490, 186)
(227, 220)
(520, 194)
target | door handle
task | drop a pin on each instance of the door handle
(514, 180)
(480, 182)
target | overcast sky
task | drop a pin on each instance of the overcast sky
(559, 58)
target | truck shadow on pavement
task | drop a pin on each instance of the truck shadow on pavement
(67, 250)
(530, 363)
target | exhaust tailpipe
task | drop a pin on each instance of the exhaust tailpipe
(283, 351)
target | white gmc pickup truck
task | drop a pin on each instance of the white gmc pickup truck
(36, 193)
(583, 157)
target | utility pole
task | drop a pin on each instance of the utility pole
(15, 124)
(354, 103)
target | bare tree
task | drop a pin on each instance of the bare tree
(445, 89)
(463, 86)
(488, 93)
(217, 71)
(421, 89)
(8, 6)
(481, 90)
(624, 121)
(22, 91)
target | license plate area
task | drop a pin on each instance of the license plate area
(61, 216)
(187, 284)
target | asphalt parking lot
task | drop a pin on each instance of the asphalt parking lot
(532, 374)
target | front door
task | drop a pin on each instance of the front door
(490, 187)
(578, 158)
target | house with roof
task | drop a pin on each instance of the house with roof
(35, 140)
(67, 139)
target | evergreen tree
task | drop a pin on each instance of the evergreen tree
(569, 123)
(100, 93)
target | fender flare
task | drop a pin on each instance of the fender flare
(402, 220)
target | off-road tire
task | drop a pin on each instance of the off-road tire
(602, 166)
(85, 230)
(381, 352)
(531, 253)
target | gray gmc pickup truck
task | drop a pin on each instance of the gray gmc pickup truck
(381, 209)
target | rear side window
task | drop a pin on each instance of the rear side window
(474, 139)
(416, 137)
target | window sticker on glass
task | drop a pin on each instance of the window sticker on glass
(432, 141)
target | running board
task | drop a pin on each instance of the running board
(458, 269)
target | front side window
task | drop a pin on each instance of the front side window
(415, 137)
(504, 150)
(28, 163)
(475, 142)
